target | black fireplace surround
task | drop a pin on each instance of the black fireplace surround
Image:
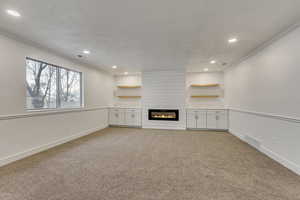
(163, 114)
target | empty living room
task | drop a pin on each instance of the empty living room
(149, 100)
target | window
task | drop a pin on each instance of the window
(50, 87)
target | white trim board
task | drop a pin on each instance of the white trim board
(24, 154)
(268, 115)
(164, 128)
(244, 136)
(286, 163)
(48, 112)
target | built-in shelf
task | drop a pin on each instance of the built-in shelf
(205, 85)
(129, 86)
(126, 97)
(205, 96)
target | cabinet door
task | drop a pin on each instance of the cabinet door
(211, 117)
(138, 115)
(113, 117)
(201, 119)
(132, 117)
(121, 117)
(128, 118)
(222, 122)
(116, 117)
(192, 119)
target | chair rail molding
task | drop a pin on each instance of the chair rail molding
(38, 113)
(268, 115)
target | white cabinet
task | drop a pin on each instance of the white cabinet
(192, 119)
(201, 119)
(217, 119)
(132, 117)
(211, 120)
(196, 119)
(222, 120)
(207, 119)
(125, 117)
(117, 117)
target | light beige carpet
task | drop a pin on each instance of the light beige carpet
(140, 164)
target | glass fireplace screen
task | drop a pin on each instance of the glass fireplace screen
(168, 115)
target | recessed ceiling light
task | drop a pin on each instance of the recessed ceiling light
(13, 13)
(114, 67)
(232, 40)
(86, 51)
(205, 69)
(213, 62)
(125, 73)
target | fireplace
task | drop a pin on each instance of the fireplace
(165, 114)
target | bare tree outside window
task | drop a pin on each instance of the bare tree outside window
(50, 87)
(69, 88)
(41, 85)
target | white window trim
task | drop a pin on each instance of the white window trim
(82, 104)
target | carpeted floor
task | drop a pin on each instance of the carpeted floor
(144, 164)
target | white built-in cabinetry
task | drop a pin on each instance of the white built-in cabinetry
(125, 117)
(207, 119)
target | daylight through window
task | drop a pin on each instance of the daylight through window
(49, 86)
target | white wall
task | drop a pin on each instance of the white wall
(262, 93)
(131, 80)
(205, 78)
(31, 133)
(164, 90)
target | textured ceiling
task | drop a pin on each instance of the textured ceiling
(139, 35)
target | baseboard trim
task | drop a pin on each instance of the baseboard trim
(206, 129)
(124, 126)
(278, 158)
(30, 152)
(288, 164)
(164, 128)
